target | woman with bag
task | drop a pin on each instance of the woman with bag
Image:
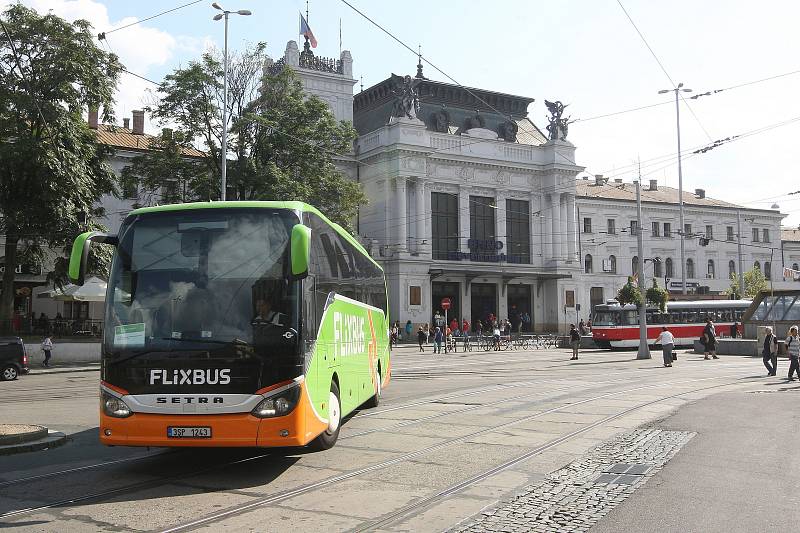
(793, 347)
(770, 350)
(667, 342)
(710, 335)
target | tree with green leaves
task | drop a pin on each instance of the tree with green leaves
(51, 166)
(657, 296)
(754, 282)
(282, 142)
(629, 294)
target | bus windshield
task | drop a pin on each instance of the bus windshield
(195, 281)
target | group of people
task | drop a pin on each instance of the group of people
(444, 335)
(769, 352)
(708, 339)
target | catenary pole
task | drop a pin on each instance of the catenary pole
(739, 246)
(644, 350)
(225, 117)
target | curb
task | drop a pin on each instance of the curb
(62, 370)
(52, 440)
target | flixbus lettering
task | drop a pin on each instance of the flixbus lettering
(348, 334)
(188, 376)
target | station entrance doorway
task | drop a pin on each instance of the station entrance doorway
(441, 290)
(520, 311)
(484, 302)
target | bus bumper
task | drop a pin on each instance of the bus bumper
(298, 428)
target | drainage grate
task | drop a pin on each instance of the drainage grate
(623, 473)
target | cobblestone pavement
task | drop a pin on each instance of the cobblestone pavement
(575, 497)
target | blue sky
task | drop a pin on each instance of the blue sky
(583, 52)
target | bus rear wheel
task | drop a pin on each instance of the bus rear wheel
(375, 400)
(328, 438)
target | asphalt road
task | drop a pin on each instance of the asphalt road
(447, 442)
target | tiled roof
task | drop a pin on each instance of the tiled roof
(627, 191)
(119, 137)
(790, 234)
(528, 133)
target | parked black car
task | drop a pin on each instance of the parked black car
(13, 358)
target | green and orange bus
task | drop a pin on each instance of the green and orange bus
(237, 324)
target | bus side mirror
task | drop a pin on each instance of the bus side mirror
(300, 251)
(80, 253)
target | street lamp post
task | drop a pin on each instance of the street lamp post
(678, 90)
(219, 16)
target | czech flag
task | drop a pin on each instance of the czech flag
(305, 31)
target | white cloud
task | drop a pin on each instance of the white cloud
(140, 47)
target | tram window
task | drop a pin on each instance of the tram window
(630, 318)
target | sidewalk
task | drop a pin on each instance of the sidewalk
(739, 473)
(37, 368)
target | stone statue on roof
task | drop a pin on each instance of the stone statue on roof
(558, 126)
(406, 99)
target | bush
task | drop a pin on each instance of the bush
(657, 296)
(629, 294)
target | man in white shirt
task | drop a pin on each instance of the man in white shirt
(667, 342)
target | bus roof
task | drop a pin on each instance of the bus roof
(288, 205)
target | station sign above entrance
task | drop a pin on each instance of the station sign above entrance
(486, 251)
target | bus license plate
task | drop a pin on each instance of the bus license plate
(189, 432)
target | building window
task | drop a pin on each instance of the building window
(587, 225)
(130, 190)
(668, 267)
(634, 265)
(634, 226)
(731, 268)
(656, 231)
(765, 234)
(729, 236)
(690, 268)
(612, 264)
(687, 230)
(709, 232)
(767, 270)
(611, 226)
(444, 224)
(667, 229)
(481, 218)
(657, 269)
(518, 230)
(757, 265)
(587, 264)
(711, 273)
(795, 266)
(414, 295)
(755, 234)
(169, 192)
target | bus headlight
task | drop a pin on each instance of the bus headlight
(279, 405)
(115, 407)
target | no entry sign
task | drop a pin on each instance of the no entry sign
(445, 303)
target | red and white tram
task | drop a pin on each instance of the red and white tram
(617, 326)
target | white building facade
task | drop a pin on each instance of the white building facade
(714, 230)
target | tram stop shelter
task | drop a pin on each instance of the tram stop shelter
(779, 309)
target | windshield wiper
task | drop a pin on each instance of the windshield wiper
(211, 341)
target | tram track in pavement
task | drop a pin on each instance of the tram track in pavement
(101, 495)
(285, 495)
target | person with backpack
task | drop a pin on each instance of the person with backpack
(793, 348)
(47, 348)
(421, 338)
(574, 341)
(710, 342)
(770, 350)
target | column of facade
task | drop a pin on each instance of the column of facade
(401, 216)
(570, 209)
(421, 215)
(547, 234)
(562, 203)
(555, 234)
(463, 218)
(500, 233)
(535, 227)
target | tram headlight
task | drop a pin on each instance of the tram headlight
(278, 405)
(114, 407)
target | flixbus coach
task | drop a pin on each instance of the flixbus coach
(237, 324)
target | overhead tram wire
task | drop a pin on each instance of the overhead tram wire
(102, 35)
(423, 58)
(664, 70)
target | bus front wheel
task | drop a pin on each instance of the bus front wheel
(328, 438)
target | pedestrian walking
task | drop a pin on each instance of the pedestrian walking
(422, 338)
(667, 342)
(409, 329)
(427, 329)
(710, 342)
(734, 330)
(793, 347)
(496, 336)
(574, 341)
(437, 340)
(769, 351)
(582, 327)
(47, 348)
